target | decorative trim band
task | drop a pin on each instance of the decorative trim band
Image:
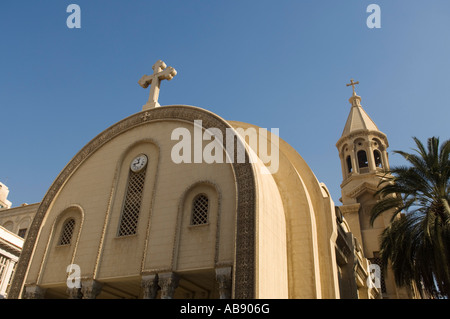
(244, 274)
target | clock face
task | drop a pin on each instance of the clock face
(138, 163)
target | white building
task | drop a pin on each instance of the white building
(4, 203)
(10, 248)
(14, 225)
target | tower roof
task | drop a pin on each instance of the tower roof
(358, 118)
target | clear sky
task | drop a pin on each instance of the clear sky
(276, 64)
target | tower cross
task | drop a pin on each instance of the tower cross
(353, 85)
(160, 72)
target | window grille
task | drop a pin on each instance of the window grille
(200, 207)
(377, 260)
(66, 233)
(132, 204)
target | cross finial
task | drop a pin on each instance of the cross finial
(353, 85)
(160, 72)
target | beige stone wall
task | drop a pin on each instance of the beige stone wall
(164, 239)
(272, 270)
(17, 218)
(309, 221)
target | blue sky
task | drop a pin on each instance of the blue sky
(276, 64)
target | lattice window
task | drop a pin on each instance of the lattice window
(132, 204)
(377, 260)
(200, 208)
(67, 232)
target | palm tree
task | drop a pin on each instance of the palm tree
(417, 241)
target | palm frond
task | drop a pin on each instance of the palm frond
(417, 241)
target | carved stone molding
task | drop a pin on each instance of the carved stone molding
(361, 133)
(34, 292)
(364, 187)
(90, 288)
(149, 284)
(244, 273)
(74, 293)
(350, 209)
(168, 283)
(223, 277)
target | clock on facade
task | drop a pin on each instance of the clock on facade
(138, 163)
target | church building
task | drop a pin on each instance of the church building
(177, 202)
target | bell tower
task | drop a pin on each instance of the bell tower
(364, 160)
(362, 150)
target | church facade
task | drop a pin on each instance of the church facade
(131, 217)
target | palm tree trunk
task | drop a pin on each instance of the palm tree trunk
(446, 207)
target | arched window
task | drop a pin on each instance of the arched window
(200, 209)
(377, 157)
(349, 164)
(133, 197)
(67, 232)
(362, 159)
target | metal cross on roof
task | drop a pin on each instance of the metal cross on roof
(353, 85)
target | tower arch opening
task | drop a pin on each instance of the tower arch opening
(362, 159)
